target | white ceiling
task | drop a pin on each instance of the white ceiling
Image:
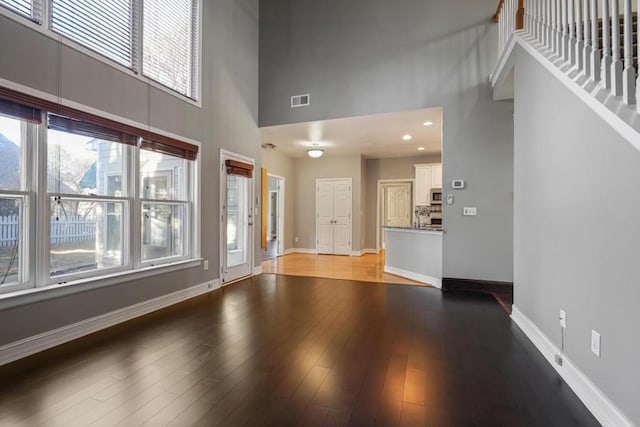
(375, 137)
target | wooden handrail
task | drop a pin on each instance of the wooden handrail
(496, 16)
(520, 15)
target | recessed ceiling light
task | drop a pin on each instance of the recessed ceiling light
(420, 148)
(428, 123)
(407, 137)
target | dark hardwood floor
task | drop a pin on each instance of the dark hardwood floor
(283, 350)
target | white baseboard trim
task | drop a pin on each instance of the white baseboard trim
(289, 251)
(433, 281)
(46, 340)
(593, 398)
(302, 251)
(257, 270)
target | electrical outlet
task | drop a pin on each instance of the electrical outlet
(563, 319)
(206, 264)
(469, 211)
(297, 239)
(595, 343)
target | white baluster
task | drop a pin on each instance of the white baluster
(628, 73)
(595, 43)
(616, 62)
(545, 23)
(550, 24)
(637, 55)
(500, 30)
(605, 74)
(541, 24)
(558, 27)
(586, 55)
(564, 26)
(572, 34)
(579, 36)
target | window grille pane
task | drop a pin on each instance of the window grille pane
(10, 242)
(27, 8)
(105, 26)
(10, 154)
(162, 177)
(169, 43)
(85, 235)
(163, 230)
(79, 164)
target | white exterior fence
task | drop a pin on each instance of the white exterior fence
(71, 229)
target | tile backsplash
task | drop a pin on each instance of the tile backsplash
(423, 214)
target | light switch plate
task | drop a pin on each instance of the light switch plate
(457, 184)
(469, 211)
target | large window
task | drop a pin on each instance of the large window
(27, 8)
(14, 192)
(105, 26)
(88, 197)
(164, 205)
(87, 202)
(158, 39)
(168, 43)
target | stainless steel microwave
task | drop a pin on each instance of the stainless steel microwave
(435, 196)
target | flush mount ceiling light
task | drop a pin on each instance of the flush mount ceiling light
(314, 153)
(407, 137)
(428, 123)
(420, 148)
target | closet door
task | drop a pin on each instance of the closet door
(342, 218)
(324, 217)
(333, 217)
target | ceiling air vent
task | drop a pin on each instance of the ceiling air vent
(300, 101)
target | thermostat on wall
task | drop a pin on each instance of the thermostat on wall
(457, 184)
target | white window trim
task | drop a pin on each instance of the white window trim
(43, 28)
(39, 270)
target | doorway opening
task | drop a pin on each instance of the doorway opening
(395, 206)
(275, 217)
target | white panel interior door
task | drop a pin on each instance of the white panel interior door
(398, 206)
(342, 217)
(324, 217)
(333, 205)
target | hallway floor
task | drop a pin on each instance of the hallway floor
(282, 350)
(365, 268)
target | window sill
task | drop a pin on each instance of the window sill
(33, 295)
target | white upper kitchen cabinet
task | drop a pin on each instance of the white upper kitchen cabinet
(436, 176)
(428, 176)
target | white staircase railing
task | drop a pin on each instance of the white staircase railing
(589, 37)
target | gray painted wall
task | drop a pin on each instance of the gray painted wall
(576, 233)
(282, 165)
(376, 169)
(372, 56)
(227, 119)
(306, 172)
